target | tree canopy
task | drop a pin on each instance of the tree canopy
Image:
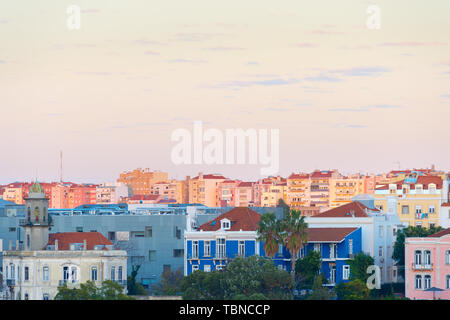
(252, 277)
(307, 269)
(109, 290)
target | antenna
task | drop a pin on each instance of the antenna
(60, 158)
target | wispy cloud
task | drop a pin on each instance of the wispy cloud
(253, 63)
(268, 82)
(278, 109)
(196, 36)
(224, 49)
(306, 45)
(185, 61)
(386, 106)
(363, 109)
(152, 53)
(323, 78)
(413, 44)
(446, 96)
(90, 11)
(146, 42)
(362, 71)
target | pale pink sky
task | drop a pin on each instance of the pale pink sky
(110, 94)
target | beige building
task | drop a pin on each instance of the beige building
(203, 189)
(141, 180)
(48, 261)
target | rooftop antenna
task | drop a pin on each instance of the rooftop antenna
(61, 166)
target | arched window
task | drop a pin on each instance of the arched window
(427, 282)
(26, 296)
(418, 282)
(94, 273)
(45, 273)
(427, 257)
(418, 257)
(13, 271)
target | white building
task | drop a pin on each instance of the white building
(51, 260)
(378, 230)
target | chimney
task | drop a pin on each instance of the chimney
(84, 244)
(56, 244)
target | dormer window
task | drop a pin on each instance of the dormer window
(432, 187)
(405, 189)
(419, 188)
(392, 188)
(226, 224)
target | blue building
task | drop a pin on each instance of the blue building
(234, 234)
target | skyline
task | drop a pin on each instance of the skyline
(110, 94)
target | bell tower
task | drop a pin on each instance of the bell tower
(36, 224)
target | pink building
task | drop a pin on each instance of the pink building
(427, 265)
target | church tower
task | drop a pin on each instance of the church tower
(36, 224)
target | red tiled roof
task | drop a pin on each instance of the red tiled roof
(447, 204)
(242, 218)
(298, 176)
(321, 174)
(210, 176)
(66, 238)
(424, 180)
(245, 184)
(346, 210)
(440, 233)
(328, 234)
(145, 197)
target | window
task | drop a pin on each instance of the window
(447, 257)
(418, 209)
(178, 253)
(405, 209)
(74, 274)
(280, 249)
(346, 272)
(225, 224)
(418, 282)
(45, 273)
(113, 274)
(12, 229)
(120, 273)
(432, 224)
(26, 275)
(111, 236)
(427, 257)
(241, 248)
(65, 273)
(317, 247)
(195, 249)
(25, 296)
(152, 255)
(194, 267)
(418, 258)
(431, 209)
(333, 251)
(137, 234)
(432, 187)
(220, 248)
(79, 229)
(207, 249)
(220, 267)
(419, 188)
(94, 273)
(381, 231)
(177, 233)
(380, 251)
(207, 268)
(350, 246)
(447, 280)
(427, 282)
(148, 232)
(45, 296)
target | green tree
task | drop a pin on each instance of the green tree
(109, 290)
(170, 284)
(319, 292)
(399, 247)
(295, 235)
(353, 290)
(358, 266)
(269, 233)
(307, 270)
(134, 288)
(286, 208)
(252, 277)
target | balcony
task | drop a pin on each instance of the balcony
(68, 283)
(422, 267)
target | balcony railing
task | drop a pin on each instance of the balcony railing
(10, 282)
(422, 266)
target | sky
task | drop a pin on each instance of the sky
(110, 94)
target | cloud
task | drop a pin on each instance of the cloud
(253, 63)
(94, 73)
(387, 106)
(412, 44)
(306, 45)
(277, 109)
(446, 96)
(357, 126)
(268, 82)
(327, 32)
(362, 71)
(90, 11)
(186, 61)
(151, 53)
(224, 49)
(3, 21)
(348, 109)
(2, 61)
(323, 78)
(196, 37)
(145, 42)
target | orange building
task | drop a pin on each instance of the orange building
(141, 180)
(203, 189)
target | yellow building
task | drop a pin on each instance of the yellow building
(274, 193)
(173, 190)
(298, 190)
(141, 180)
(416, 200)
(203, 189)
(343, 189)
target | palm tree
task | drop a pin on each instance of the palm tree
(294, 235)
(269, 233)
